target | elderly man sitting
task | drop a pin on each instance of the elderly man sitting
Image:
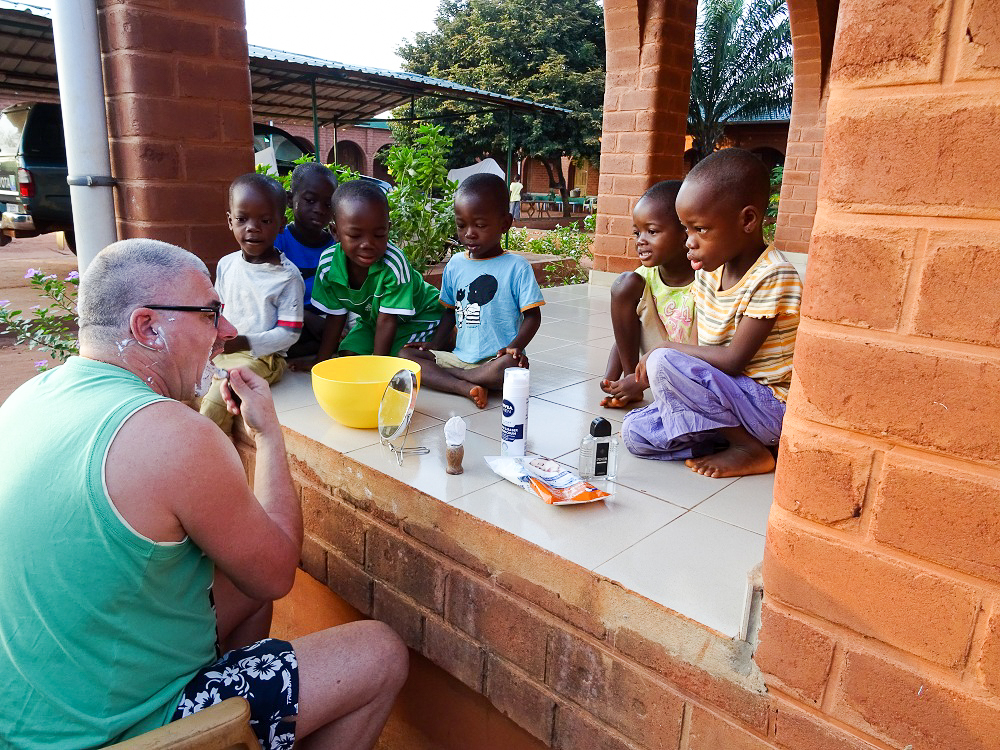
(134, 552)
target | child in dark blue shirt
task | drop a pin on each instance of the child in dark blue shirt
(304, 240)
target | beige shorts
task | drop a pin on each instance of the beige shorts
(448, 359)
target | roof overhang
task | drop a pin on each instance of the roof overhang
(284, 86)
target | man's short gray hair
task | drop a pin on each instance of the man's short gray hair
(123, 276)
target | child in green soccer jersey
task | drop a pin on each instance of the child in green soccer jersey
(366, 274)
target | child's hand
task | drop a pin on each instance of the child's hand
(421, 345)
(640, 372)
(516, 353)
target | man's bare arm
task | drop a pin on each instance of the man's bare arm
(171, 473)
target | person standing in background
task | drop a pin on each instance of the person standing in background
(515, 197)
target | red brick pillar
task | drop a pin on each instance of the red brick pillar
(882, 570)
(813, 24)
(178, 93)
(650, 45)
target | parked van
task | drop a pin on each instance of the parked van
(34, 195)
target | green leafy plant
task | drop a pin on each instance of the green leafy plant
(51, 328)
(771, 217)
(568, 242)
(421, 207)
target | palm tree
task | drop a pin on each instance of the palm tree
(742, 67)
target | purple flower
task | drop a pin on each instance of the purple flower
(31, 273)
(4, 302)
(73, 275)
(50, 276)
(41, 363)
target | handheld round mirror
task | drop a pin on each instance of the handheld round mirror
(397, 404)
(395, 412)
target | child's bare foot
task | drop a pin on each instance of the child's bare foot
(745, 456)
(479, 395)
(621, 392)
(301, 364)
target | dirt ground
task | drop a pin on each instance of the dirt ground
(17, 362)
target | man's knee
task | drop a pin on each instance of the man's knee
(390, 654)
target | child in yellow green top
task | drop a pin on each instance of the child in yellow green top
(654, 303)
(719, 405)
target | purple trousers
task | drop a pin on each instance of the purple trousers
(692, 400)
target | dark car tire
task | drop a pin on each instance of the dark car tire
(67, 241)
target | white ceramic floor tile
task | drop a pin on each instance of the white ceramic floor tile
(668, 480)
(315, 423)
(570, 331)
(592, 360)
(745, 503)
(293, 391)
(547, 377)
(696, 566)
(586, 396)
(427, 473)
(560, 293)
(444, 406)
(557, 311)
(593, 304)
(601, 319)
(552, 430)
(587, 535)
(541, 343)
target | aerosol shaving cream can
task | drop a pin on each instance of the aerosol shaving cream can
(514, 422)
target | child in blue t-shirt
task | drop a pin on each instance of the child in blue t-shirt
(304, 240)
(490, 296)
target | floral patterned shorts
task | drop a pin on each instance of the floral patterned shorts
(266, 674)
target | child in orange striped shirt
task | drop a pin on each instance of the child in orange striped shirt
(718, 405)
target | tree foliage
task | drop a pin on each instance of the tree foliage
(551, 52)
(742, 67)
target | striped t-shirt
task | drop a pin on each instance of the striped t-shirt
(770, 289)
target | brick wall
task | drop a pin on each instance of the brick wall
(813, 23)
(650, 44)
(571, 657)
(369, 140)
(178, 98)
(882, 571)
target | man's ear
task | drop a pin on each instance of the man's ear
(143, 330)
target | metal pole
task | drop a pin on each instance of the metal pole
(336, 156)
(88, 158)
(510, 144)
(315, 122)
(510, 148)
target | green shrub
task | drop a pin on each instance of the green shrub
(421, 207)
(570, 241)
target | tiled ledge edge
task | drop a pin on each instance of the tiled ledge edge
(569, 655)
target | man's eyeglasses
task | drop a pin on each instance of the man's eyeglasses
(216, 311)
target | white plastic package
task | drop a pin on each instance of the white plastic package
(546, 479)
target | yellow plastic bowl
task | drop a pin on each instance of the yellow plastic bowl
(350, 388)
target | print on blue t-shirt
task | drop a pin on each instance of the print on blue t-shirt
(488, 297)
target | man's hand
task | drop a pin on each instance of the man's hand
(256, 404)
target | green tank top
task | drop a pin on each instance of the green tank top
(100, 628)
